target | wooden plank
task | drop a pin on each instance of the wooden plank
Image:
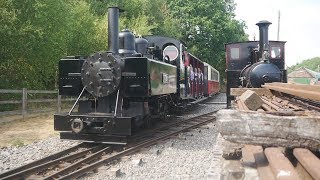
(241, 105)
(232, 170)
(259, 91)
(247, 155)
(42, 92)
(251, 99)
(304, 91)
(262, 164)
(10, 91)
(41, 100)
(265, 100)
(59, 104)
(309, 161)
(10, 102)
(302, 172)
(258, 128)
(266, 108)
(280, 165)
(306, 87)
(24, 102)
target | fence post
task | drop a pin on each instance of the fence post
(24, 102)
(59, 103)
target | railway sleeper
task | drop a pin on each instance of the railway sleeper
(273, 163)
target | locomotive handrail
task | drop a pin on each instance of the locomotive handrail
(75, 103)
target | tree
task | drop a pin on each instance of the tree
(35, 34)
(208, 24)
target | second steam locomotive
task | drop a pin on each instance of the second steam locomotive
(124, 88)
(251, 64)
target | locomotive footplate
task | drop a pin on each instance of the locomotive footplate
(99, 127)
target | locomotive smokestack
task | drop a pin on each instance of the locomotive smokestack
(263, 37)
(113, 29)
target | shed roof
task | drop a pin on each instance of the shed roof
(303, 72)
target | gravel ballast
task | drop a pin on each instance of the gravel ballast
(13, 157)
(191, 155)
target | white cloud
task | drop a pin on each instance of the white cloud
(299, 24)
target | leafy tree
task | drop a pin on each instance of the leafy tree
(35, 34)
(208, 24)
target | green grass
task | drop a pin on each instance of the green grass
(17, 143)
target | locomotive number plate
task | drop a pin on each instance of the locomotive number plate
(130, 74)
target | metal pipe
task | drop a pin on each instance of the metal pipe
(75, 103)
(113, 29)
(116, 107)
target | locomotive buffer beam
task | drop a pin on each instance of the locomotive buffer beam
(98, 127)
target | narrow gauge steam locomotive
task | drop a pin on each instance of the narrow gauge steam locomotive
(123, 89)
(251, 64)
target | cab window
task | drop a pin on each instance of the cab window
(235, 53)
(275, 52)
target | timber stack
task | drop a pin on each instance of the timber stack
(276, 129)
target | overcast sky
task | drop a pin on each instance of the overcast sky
(299, 24)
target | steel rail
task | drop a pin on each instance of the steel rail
(169, 125)
(100, 152)
(80, 163)
(47, 162)
(105, 159)
(41, 161)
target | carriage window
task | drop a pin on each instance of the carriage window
(275, 52)
(235, 53)
(214, 75)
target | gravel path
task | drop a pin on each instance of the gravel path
(192, 155)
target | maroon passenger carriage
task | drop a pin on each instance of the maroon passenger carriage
(211, 80)
(202, 79)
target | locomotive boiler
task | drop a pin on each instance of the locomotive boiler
(251, 64)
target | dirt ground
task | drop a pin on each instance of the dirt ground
(24, 131)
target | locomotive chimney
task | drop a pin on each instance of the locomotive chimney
(113, 29)
(263, 38)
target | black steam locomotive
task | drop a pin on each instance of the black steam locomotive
(251, 64)
(123, 89)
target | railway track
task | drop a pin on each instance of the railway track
(87, 157)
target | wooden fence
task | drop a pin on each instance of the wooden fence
(24, 100)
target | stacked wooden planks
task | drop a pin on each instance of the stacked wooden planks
(281, 139)
(311, 92)
(272, 163)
